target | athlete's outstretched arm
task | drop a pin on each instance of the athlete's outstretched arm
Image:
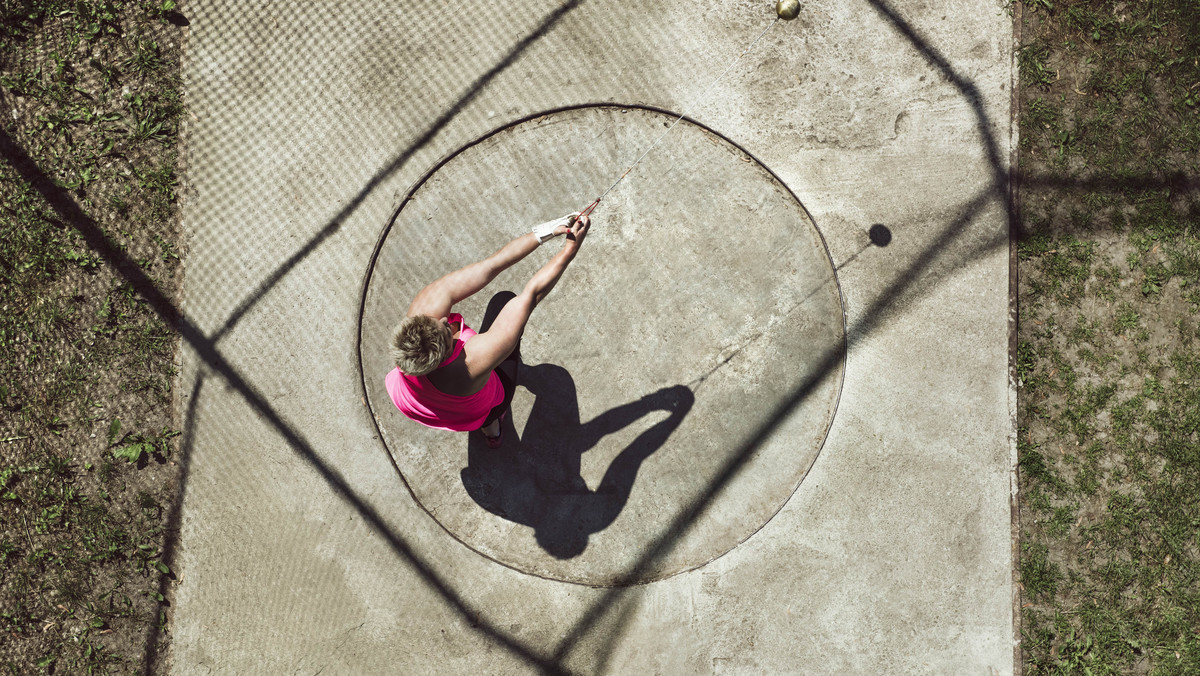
(436, 299)
(491, 347)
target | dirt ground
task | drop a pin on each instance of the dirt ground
(1109, 265)
(89, 111)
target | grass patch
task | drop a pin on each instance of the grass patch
(91, 93)
(1039, 575)
(1107, 361)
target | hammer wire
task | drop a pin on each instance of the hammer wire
(703, 95)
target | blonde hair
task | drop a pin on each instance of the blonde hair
(419, 344)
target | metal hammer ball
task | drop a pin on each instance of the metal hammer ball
(787, 9)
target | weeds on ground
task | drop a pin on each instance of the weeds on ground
(89, 90)
(1108, 359)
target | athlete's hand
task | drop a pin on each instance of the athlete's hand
(564, 229)
(578, 231)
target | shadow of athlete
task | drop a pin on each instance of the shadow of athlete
(536, 480)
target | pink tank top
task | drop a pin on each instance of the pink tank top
(418, 399)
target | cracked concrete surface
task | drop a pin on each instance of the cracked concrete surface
(301, 548)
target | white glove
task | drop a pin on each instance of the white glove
(545, 231)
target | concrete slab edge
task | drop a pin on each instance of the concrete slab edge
(1014, 228)
(174, 521)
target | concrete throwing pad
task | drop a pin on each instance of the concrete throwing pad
(703, 302)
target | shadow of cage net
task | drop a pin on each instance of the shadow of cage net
(299, 119)
(304, 124)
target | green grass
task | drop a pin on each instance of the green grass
(1039, 575)
(1107, 360)
(83, 502)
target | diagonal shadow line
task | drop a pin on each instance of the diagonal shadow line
(872, 317)
(392, 167)
(59, 199)
(966, 87)
(604, 654)
(150, 656)
(998, 189)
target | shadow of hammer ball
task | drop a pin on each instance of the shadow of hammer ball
(880, 235)
(787, 9)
